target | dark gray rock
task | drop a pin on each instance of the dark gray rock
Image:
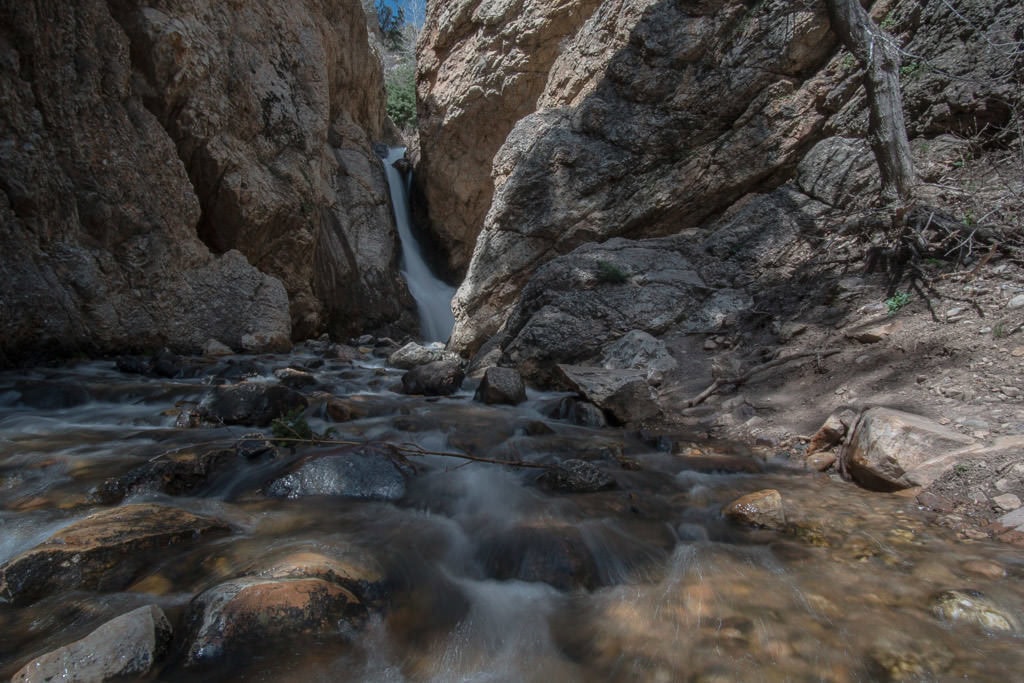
(577, 476)
(501, 385)
(250, 403)
(177, 474)
(440, 378)
(355, 474)
(625, 395)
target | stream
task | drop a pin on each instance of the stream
(491, 573)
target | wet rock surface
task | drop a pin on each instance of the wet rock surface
(355, 473)
(250, 403)
(102, 552)
(438, 378)
(247, 613)
(759, 509)
(128, 645)
(577, 476)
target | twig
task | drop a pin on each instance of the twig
(413, 449)
(742, 379)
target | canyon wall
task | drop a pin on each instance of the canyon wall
(658, 115)
(180, 170)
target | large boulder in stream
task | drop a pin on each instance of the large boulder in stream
(440, 378)
(103, 552)
(250, 403)
(247, 614)
(413, 355)
(365, 473)
(501, 385)
(128, 645)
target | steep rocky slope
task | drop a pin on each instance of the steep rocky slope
(140, 136)
(657, 116)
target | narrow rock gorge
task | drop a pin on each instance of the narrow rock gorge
(183, 171)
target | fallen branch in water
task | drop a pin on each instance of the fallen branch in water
(742, 379)
(411, 449)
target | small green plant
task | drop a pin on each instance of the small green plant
(908, 70)
(292, 425)
(889, 23)
(896, 302)
(848, 61)
(999, 330)
(610, 273)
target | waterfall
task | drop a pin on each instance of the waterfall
(433, 296)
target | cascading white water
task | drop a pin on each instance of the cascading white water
(433, 296)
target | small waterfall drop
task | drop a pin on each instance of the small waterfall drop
(433, 296)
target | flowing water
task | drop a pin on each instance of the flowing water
(432, 294)
(490, 574)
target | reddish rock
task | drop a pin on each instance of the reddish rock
(760, 508)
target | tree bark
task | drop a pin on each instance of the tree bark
(887, 130)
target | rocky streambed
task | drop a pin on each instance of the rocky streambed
(297, 517)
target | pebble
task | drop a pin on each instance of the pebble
(1016, 302)
(1017, 352)
(1007, 501)
(1012, 392)
(990, 570)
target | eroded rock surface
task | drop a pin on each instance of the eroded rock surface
(102, 552)
(181, 171)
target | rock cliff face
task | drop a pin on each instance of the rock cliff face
(482, 65)
(655, 116)
(271, 110)
(659, 115)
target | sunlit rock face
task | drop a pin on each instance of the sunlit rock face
(482, 65)
(176, 171)
(655, 115)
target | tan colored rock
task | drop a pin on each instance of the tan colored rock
(760, 508)
(832, 432)
(243, 614)
(128, 645)
(274, 108)
(100, 215)
(482, 65)
(892, 450)
(647, 98)
(102, 552)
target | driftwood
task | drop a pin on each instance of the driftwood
(745, 377)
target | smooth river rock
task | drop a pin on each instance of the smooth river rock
(103, 552)
(359, 473)
(127, 645)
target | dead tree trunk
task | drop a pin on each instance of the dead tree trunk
(887, 130)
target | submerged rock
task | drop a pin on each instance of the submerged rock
(243, 615)
(102, 552)
(577, 476)
(250, 403)
(973, 607)
(128, 645)
(761, 509)
(362, 473)
(552, 554)
(439, 378)
(175, 474)
(501, 386)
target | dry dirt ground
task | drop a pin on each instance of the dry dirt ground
(951, 349)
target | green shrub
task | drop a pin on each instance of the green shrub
(400, 83)
(610, 273)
